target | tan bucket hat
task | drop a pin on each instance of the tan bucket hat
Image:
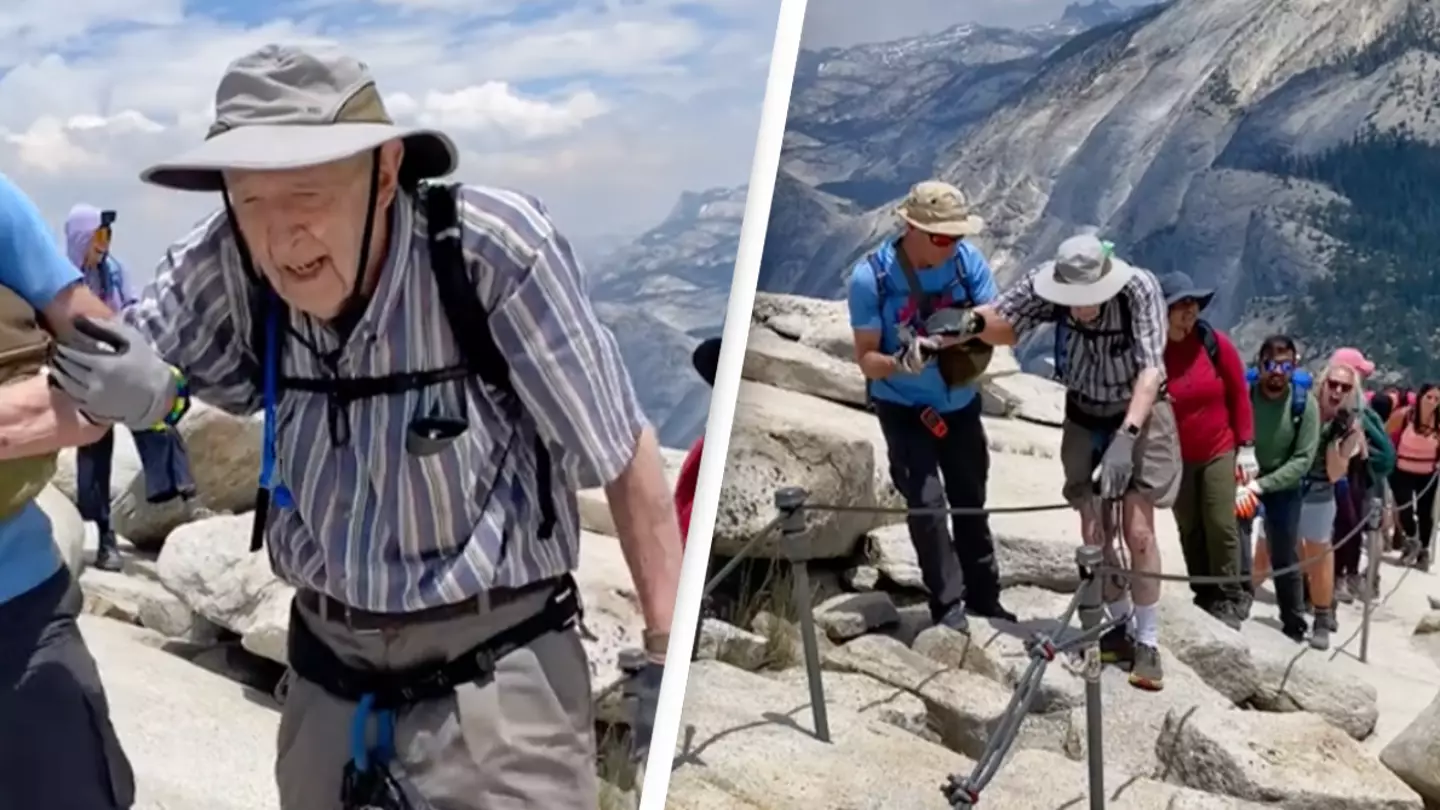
(284, 107)
(938, 207)
(1085, 273)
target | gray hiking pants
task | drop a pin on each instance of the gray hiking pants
(522, 741)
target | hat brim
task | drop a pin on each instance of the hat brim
(968, 226)
(1201, 297)
(428, 153)
(1082, 295)
(706, 359)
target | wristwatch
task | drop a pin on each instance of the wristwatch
(1133, 431)
(180, 406)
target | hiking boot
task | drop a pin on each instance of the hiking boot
(1295, 630)
(107, 556)
(1147, 673)
(1326, 618)
(1422, 561)
(1320, 634)
(1343, 593)
(991, 610)
(1243, 605)
(1116, 646)
(954, 619)
(1226, 613)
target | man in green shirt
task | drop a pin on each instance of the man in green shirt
(1287, 438)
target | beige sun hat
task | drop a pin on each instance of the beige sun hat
(934, 206)
(285, 107)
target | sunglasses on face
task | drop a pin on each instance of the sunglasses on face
(941, 240)
(1280, 367)
(1339, 387)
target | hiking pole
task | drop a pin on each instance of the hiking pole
(791, 502)
(1092, 613)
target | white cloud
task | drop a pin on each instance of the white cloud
(607, 111)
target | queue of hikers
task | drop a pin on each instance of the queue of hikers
(1264, 465)
(435, 387)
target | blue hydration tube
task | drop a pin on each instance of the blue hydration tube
(279, 493)
(384, 749)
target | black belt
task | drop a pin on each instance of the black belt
(329, 608)
(315, 662)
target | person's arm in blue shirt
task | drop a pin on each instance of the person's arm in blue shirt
(865, 320)
(36, 419)
(979, 278)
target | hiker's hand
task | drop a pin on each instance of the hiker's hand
(643, 692)
(917, 353)
(1117, 466)
(114, 375)
(1247, 503)
(1246, 467)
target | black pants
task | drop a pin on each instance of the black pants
(931, 472)
(162, 456)
(1418, 522)
(1282, 534)
(58, 750)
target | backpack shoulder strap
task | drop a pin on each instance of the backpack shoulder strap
(469, 321)
(924, 301)
(1209, 341)
(467, 316)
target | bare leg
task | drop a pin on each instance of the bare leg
(1138, 514)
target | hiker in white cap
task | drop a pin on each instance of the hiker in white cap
(1119, 440)
(902, 296)
(435, 387)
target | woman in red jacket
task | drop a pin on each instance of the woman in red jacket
(705, 359)
(1206, 381)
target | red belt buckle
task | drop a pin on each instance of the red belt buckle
(932, 420)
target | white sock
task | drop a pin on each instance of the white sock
(1147, 625)
(1121, 607)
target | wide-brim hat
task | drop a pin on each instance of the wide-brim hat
(283, 107)
(706, 359)
(937, 207)
(1178, 286)
(1085, 273)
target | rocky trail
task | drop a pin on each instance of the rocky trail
(190, 637)
(1247, 719)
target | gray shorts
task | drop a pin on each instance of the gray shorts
(57, 746)
(1157, 459)
(1317, 520)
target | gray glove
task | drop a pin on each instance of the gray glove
(114, 375)
(1117, 466)
(917, 352)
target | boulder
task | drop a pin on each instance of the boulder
(1218, 654)
(595, 507)
(848, 615)
(793, 366)
(726, 642)
(196, 740)
(1414, 755)
(964, 708)
(1297, 760)
(1311, 684)
(66, 529)
(1026, 397)
(225, 462)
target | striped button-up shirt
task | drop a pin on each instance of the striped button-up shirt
(374, 526)
(1100, 367)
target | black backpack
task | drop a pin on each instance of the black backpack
(469, 322)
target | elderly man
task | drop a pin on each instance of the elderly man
(435, 388)
(925, 397)
(1119, 441)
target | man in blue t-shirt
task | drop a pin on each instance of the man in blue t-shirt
(57, 746)
(933, 433)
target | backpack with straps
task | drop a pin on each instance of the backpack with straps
(924, 301)
(469, 323)
(1064, 323)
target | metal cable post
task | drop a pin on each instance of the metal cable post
(791, 503)
(1092, 612)
(1372, 576)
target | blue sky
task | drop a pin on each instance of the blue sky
(606, 109)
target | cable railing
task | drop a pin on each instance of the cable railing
(962, 791)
